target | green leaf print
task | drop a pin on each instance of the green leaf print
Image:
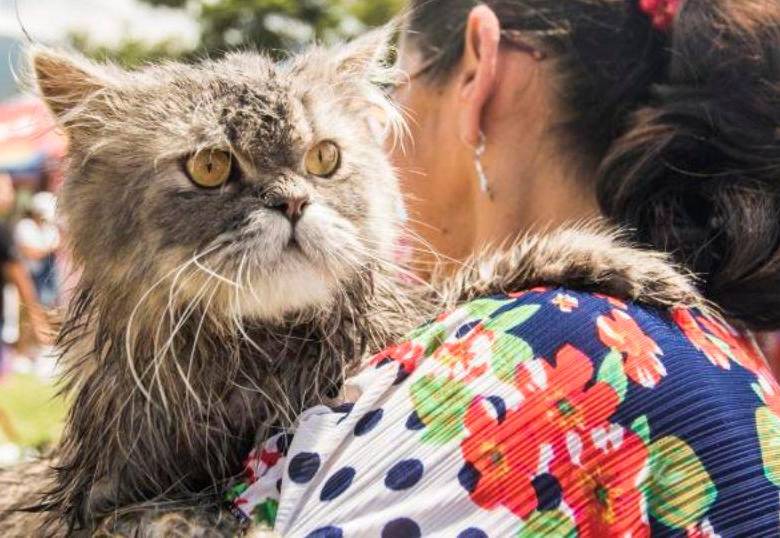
(235, 492)
(484, 308)
(265, 512)
(768, 425)
(550, 524)
(440, 405)
(641, 427)
(680, 491)
(757, 389)
(512, 318)
(424, 331)
(434, 340)
(507, 352)
(612, 373)
(430, 336)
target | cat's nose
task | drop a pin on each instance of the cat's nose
(293, 206)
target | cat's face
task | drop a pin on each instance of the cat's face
(261, 187)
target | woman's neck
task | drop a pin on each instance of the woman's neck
(542, 196)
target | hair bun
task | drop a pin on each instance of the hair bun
(698, 171)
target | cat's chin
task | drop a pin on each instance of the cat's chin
(292, 270)
(292, 286)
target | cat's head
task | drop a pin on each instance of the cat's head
(260, 186)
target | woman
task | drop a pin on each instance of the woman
(549, 412)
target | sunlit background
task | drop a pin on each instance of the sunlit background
(130, 32)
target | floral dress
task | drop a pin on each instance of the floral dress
(542, 413)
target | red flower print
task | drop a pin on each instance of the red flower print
(742, 348)
(693, 332)
(620, 332)
(601, 480)
(467, 357)
(565, 303)
(443, 316)
(718, 342)
(258, 461)
(269, 458)
(662, 12)
(617, 303)
(501, 456)
(537, 289)
(407, 355)
(558, 395)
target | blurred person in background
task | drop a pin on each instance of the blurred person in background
(6, 206)
(38, 238)
(17, 412)
(14, 272)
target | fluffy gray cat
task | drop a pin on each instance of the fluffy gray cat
(233, 223)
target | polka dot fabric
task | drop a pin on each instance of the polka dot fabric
(541, 413)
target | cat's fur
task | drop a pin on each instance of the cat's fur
(194, 329)
(198, 323)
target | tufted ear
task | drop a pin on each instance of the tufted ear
(367, 54)
(65, 80)
(366, 59)
(353, 75)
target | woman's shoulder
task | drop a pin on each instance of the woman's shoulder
(644, 342)
(630, 327)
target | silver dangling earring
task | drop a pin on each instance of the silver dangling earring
(479, 151)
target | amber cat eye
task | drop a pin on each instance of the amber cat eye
(323, 159)
(209, 169)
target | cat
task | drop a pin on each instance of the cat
(233, 223)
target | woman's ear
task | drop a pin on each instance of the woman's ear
(478, 75)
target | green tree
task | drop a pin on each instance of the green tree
(129, 52)
(271, 25)
(282, 24)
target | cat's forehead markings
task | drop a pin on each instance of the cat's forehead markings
(256, 117)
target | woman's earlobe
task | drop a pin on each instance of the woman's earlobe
(482, 37)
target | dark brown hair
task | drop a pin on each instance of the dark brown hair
(681, 129)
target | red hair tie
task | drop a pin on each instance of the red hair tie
(661, 12)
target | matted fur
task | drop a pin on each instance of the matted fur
(590, 256)
(194, 330)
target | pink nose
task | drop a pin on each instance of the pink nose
(293, 207)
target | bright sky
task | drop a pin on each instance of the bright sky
(104, 21)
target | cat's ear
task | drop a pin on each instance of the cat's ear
(367, 54)
(367, 59)
(65, 81)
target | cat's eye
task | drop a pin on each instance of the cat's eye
(323, 159)
(210, 168)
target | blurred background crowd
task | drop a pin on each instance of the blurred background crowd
(34, 269)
